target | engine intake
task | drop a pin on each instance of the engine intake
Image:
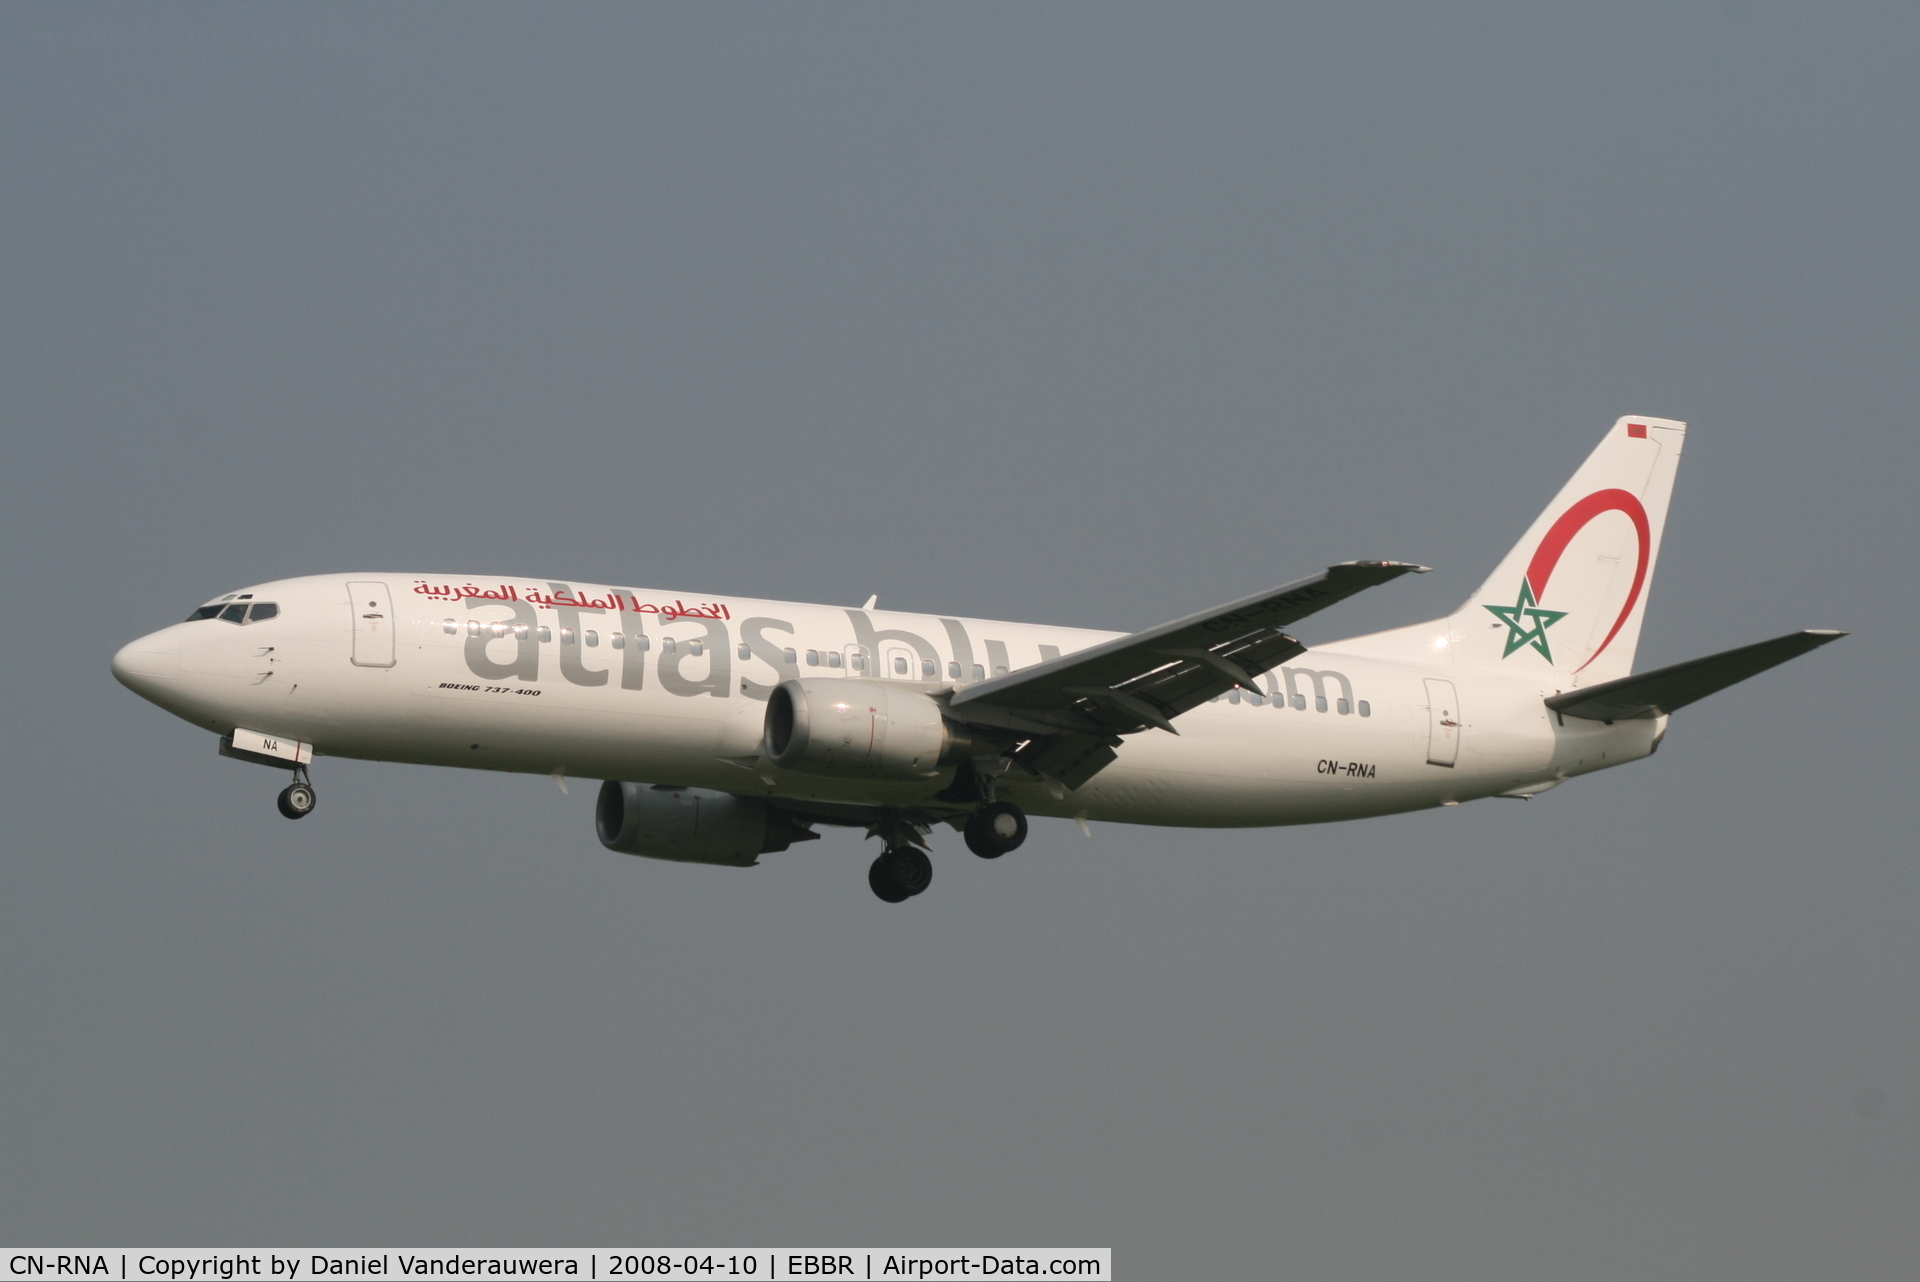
(859, 730)
(691, 825)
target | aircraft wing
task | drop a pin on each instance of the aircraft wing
(1650, 694)
(1078, 704)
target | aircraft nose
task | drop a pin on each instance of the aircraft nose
(149, 666)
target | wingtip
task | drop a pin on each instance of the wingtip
(1404, 567)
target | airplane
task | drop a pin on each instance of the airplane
(727, 728)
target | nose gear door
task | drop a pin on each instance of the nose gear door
(1443, 726)
(373, 624)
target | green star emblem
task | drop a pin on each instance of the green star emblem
(1526, 622)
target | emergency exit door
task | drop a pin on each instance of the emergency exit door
(1443, 723)
(373, 624)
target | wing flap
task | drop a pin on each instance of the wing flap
(1651, 694)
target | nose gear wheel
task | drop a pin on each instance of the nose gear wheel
(296, 800)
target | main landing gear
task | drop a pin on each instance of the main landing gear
(900, 873)
(296, 800)
(996, 828)
(903, 870)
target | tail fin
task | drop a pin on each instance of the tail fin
(1570, 597)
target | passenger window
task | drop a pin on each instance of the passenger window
(234, 613)
(745, 651)
(979, 672)
(813, 658)
(618, 641)
(545, 632)
(666, 645)
(452, 628)
(520, 631)
(1366, 709)
(833, 658)
(593, 638)
(859, 662)
(500, 630)
(953, 672)
(641, 641)
(787, 654)
(1256, 700)
(1299, 702)
(262, 610)
(1344, 707)
(1233, 695)
(1319, 703)
(899, 665)
(473, 627)
(999, 669)
(928, 668)
(566, 636)
(696, 647)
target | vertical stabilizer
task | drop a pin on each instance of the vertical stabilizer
(1569, 598)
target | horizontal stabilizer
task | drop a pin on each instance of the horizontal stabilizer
(1650, 694)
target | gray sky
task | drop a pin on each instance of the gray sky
(1085, 314)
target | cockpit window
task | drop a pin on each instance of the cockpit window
(236, 612)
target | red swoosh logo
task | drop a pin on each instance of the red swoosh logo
(1571, 522)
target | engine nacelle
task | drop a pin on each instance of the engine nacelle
(859, 730)
(691, 825)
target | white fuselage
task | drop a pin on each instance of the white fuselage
(517, 684)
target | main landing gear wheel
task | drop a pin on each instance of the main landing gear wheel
(995, 829)
(900, 874)
(297, 800)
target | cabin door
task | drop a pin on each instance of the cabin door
(372, 624)
(1443, 723)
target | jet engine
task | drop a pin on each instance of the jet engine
(859, 730)
(691, 825)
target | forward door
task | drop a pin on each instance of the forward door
(373, 624)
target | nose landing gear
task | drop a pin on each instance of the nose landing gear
(296, 800)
